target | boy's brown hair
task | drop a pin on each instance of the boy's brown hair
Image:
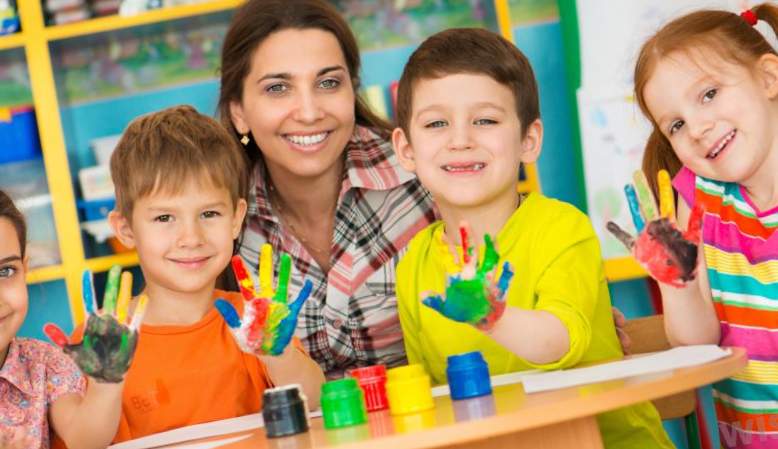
(162, 150)
(11, 213)
(472, 51)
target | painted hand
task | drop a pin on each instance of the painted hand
(473, 296)
(109, 343)
(268, 321)
(667, 253)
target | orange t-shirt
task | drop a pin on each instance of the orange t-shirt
(185, 375)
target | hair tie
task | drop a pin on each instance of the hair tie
(749, 16)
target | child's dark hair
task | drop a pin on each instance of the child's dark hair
(9, 211)
(472, 51)
(700, 35)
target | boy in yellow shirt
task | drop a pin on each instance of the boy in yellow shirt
(468, 116)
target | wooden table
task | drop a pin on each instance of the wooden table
(509, 418)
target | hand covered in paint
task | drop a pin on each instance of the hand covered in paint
(268, 321)
(474, 295)
(109, 343)
(667, 253)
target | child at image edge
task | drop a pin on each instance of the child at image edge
(180, 185)
(468, 116)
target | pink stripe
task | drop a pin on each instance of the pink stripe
(759, 343)
(730, 437)
(729, 238)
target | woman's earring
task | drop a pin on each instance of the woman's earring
(245, 140)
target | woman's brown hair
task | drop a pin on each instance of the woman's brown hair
(258, 19)
(10, 212)
(698, 34)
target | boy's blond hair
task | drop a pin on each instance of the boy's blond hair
(160, 151)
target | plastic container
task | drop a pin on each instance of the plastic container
(96, 209)
(372, 380)
(408, 389)
(19, 140)
(284, 411)
(468, 376)
(342, 404)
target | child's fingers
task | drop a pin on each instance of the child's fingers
(464, 230)
(125, 293)
(111, 289)
(634, 208)
(666, 200)
(284, 271)
(505, 279)
(228, 312)
(645, 197)
(621, 234)
(694, 224)
(88, 292)
(266, 271)
(303, 296)
(55, 334)
(490, 255)
(244, 279)
(140, 310)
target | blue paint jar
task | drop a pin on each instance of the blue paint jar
(468, 376)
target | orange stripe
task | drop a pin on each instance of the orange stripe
(756, 422)
(746, 316)
(728, 213)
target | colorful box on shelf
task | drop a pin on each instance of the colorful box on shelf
(9, 19)
(96, 183)
(18, 134)
(96, 209)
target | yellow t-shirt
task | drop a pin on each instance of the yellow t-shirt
(558, 268)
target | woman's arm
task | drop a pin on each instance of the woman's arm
(90, 421)
(690, 318)
(293, 366)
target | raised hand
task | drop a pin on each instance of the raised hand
(667, 253)
(268, 321)
(109, 343)
(473, 295)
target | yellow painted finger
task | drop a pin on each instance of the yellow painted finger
(125, 292)
(140, 310)
(666, 201)
(645, 197)
(266, 271)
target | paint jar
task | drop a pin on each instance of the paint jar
(284, 411)
(468, 376)
(408, 390)
(342, 403)
(372, 380)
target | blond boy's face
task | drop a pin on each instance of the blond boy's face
(184, 240)
(13, 287)
(465, 142)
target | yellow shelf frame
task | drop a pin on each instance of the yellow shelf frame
(9, 41)
(113, 23)
(623, 269)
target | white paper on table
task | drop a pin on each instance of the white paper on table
(680, 357)
(500, 379)
(197, 431)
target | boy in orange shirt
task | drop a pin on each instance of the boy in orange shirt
(180, 186)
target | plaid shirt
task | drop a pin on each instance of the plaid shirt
(351, 318)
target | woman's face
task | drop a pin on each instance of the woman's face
(298, 102)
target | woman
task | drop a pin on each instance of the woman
(327, 187)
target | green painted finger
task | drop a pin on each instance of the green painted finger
(284, 271)
(645, 197)
(112, 290)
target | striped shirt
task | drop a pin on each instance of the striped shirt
(741, 252)
(351, 318)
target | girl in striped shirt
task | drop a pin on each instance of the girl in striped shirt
(708, 81)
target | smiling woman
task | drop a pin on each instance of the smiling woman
(326, 187)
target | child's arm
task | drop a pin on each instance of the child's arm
(293, 366)
(536, 336)
(690, 318)
(90, 421)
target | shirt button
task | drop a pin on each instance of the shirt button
(337, 323)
